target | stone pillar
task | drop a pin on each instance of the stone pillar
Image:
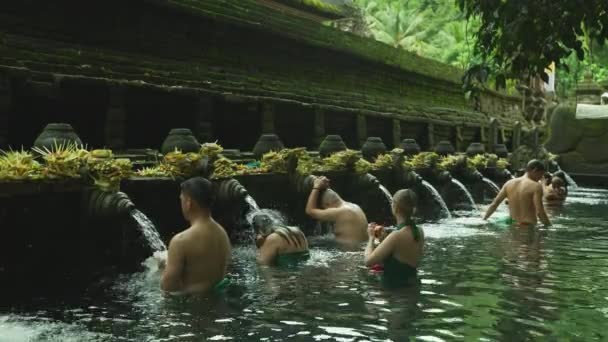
(459, 139)
(361, 129)
(431, 135)
(534, 137)
(268, 118)
(203, 130)
(5, 107)
(319, 126)
(492, 136)
(516, 135)
(116, 119)
(396, 132)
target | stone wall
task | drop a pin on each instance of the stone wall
(209, 65)
(580, 144)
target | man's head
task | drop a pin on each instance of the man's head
(404, 203)
(535, 170)
(330, 199)
(196, 197)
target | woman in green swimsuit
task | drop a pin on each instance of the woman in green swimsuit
(400, 251)
(280, 245)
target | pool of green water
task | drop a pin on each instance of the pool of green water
(478, 281)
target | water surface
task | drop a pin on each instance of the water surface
(478, 281)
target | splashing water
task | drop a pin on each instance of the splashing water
(275, 216)
(386, 193)
(491, 185)
(465, 191)
(149, 231)
(253, 205)
(437, 197)
(569, 179)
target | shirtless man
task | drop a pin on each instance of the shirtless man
(350, 222)
(198, 257)
(525, 196)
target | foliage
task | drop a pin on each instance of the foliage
(434, 29)
(422, 160)
(502, 164)
(525, 37)
(573, 71)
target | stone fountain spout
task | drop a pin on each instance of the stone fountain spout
(229, 191)
(104, 204)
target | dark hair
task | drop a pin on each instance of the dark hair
(562, 175)
(535, 165)
(200, 190)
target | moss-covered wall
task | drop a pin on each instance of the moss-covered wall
(228, 49)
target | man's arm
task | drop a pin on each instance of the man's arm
(172, 278)
(383, 251)
(269, 250)
(539, 206)
(502, 194)
(330, 214)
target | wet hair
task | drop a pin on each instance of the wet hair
(557, 181)
(405, 201)
(328, 197)
(200, 190)
(535, 165)
(562, 176)
(263, 225)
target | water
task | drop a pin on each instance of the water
(491, 185)
(148, 230)
(466, 192)
(478, 281)
(437, 197)
(253, 205)
(569, 179)
(387, 194)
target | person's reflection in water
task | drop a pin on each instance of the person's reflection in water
(527, 276)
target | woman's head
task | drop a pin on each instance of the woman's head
(404, 203)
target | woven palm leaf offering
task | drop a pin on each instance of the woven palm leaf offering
(19, 165)
(106, 171)
(62, 161)
(226, 168)
(211, 150)
(181, 164)
(383, 162)
(283, 160)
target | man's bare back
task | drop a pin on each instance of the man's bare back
(350, 222)
(350, 225)
(525, 195)
(201, 253)
(521, 193)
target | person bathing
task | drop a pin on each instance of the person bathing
(400, 248)
(349, 220)
(198, 257)
(279, 245)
